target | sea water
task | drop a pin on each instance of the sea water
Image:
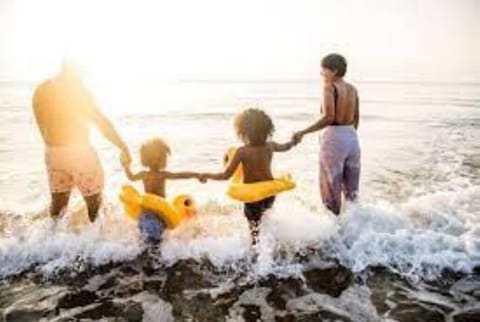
(418, 213)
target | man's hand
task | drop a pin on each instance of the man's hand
(125, 159)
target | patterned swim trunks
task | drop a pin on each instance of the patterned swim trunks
(74, 166)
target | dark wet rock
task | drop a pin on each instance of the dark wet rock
(132, 312)
(469, 285)
(99, 310)
(184, 275)
(282, 290)
(200, 307)
(251, 313)
(332, 281)
(472, 315)
(414, 312)
(446, 279)
(21, 315)
(321, 316)
(386, 287)
(80, 298)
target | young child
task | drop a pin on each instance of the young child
(154, 154)
(254, 128)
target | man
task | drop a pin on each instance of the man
(63, 109)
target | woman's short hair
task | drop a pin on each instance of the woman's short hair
(254, 126)
(335, 62)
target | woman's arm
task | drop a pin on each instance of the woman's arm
(327, 118)
(232, 166)
(356, 120)
(282, 147)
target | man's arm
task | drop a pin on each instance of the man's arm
(227, 174)
(327, 118)
(107, 129)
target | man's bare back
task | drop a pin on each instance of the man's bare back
(63, 110)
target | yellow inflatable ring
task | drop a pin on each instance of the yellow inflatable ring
(253, 192)
(182, 207)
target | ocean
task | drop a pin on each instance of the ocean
(408, 250)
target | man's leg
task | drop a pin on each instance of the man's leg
(93, 205)
(59, 203)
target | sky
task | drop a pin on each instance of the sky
(248, 39)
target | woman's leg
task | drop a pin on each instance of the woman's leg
(351, 174)
(331, 188)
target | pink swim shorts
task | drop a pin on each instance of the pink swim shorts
(74, 166)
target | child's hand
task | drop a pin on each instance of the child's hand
(202, 178)
(297, 138)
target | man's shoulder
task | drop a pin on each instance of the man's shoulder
(43, 87)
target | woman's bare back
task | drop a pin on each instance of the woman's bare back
(346, 104)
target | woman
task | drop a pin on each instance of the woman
(339, 146)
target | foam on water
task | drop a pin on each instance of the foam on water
(26, 242)
(418, 237)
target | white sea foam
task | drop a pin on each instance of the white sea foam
(418, 237)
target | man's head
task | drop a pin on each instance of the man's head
(70, 70)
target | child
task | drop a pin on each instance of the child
(254, 127)
(154, 154)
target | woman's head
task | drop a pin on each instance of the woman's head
(254, 126)
(333, 66)
(154, 153)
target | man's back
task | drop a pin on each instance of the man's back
(62, 109)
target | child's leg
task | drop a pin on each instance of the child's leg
(254, 212)
(151, 227)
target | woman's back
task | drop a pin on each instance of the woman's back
(345, 103)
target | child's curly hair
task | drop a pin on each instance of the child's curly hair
(254, 126)
(154, 153)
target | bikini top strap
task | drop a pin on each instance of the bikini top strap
(335, 95)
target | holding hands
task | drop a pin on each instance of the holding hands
(297, 137)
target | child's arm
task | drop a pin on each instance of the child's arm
(133, 176)
(126, 168)
(181, 175)
(228, 172)
(282, 147)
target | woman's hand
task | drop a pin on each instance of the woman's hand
(297, 137)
